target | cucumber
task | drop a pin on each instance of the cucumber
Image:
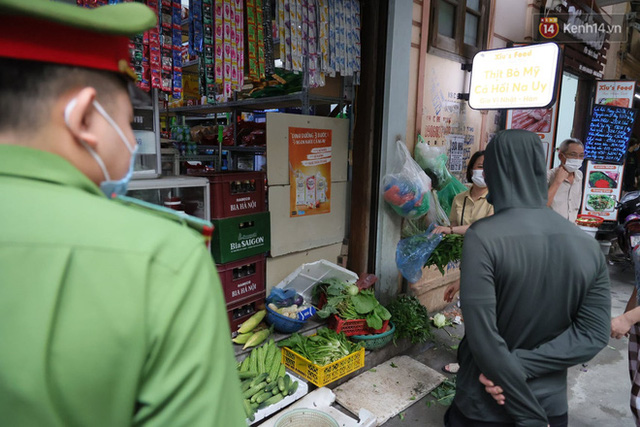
(271, 386)
(273, 399)
(293, 387)
(282, 371)
(263, 396)
(253, 363)
(287, 384)
(253, 390)
(243, 375)
(254, 398)
(245, 364)
(281, 383)
(246, 385)
(258, 379)
(248, 410)
(275, 363)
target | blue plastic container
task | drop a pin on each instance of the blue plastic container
(282, 323)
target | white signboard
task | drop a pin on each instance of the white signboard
(615, 93)
(602, 186)
(518, 77)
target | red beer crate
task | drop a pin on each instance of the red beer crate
(238, 313)
(242, 279)
(236, 193)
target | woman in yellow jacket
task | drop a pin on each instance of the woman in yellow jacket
(467, 208)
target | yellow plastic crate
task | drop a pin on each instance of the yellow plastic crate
(322, 375)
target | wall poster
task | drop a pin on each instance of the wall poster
(541, 121)
(603, 183)
(309, 171)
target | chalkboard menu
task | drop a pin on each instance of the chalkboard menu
(609, 132)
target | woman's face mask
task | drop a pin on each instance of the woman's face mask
(477, 178)
(111, 188)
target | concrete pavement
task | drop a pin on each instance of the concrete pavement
(598, 392)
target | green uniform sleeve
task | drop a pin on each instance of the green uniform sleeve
(587, 335)
(189, 378)
(489, 350)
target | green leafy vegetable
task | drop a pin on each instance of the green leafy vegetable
(448, 250)
(363, 302)
(362, 305)
(445, 392)
(410, 319)
(393, 365)
(324, 348)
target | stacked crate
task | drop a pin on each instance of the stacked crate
(241, 238)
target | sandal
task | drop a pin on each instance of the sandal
(451, 368)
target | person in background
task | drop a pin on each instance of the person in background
(565, 181)
(466, 208)
(109, 315)
(628, 324)
(534, 294)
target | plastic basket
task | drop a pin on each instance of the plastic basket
(305, 417)
(354, 327)
(322, 375)
(376, 341)
(282, 323)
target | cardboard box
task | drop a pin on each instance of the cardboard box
(430, 288)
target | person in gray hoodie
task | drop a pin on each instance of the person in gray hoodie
(534, 295)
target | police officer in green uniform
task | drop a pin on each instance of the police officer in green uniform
(109, 316)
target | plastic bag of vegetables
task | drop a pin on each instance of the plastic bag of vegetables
(407, 191)
(413, 252)
(433, 160)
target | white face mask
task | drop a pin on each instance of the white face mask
(572, 165)
(478, 178)
(110, 187)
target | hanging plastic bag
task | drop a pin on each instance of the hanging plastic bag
(434, 159)
(447, 193)
(407, 191)
(411, 227)
(437, 214)
(413, 252)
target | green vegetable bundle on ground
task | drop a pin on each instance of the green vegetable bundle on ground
(411, 319)
(349, 303)
(264, 379)
(326, 347)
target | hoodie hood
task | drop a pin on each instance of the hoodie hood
(515, 172)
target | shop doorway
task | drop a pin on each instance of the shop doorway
(568, 96)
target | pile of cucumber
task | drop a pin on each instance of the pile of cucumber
(264, 381)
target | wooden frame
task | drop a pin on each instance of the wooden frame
(455, 48)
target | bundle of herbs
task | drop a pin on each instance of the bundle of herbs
(410, 318)
(326, 347)
(349, 303)
(448, 250)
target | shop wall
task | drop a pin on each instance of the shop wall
(510, 22)
(296, 240)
